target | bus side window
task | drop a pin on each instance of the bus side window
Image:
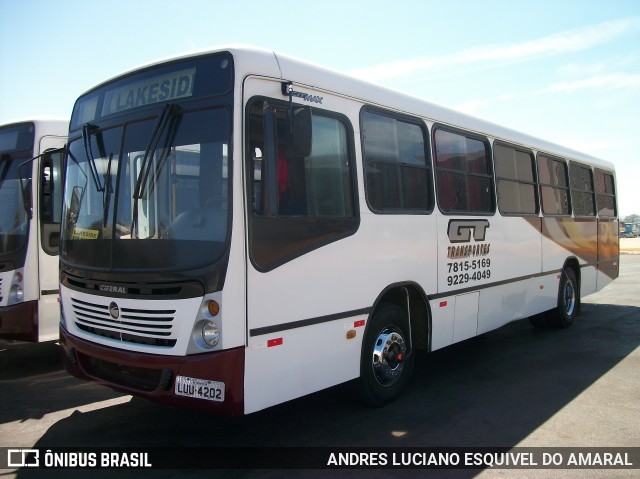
(582, 190)
(605, 194)
(464, 178)
(397, 166)
(298, 204)
(554, 186)
(316, 186)
(516, 180)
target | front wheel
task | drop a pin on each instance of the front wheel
(386, 362)
(568, 300)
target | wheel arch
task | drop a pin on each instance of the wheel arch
(411, 298)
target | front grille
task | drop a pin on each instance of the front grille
(141, 326)
(143, 291)
(143, 379)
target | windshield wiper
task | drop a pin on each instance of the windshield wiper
(86, 140)
(106, 195)
(4, 166)
(169, 112)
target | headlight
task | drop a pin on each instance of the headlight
(210, 333)
(16, 292)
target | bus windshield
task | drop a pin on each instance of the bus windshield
(14, 219)
(150, 193)
(16, 147)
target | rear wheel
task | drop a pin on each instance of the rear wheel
(386, 362)
(568, 300)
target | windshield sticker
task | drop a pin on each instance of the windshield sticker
(152, 90)
(83, 233)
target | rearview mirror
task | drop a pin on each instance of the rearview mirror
(300, 132)
(76, 200)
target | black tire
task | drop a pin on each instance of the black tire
(386, 362)
(568, 300)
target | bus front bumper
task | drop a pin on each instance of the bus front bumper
(153, 377)
(20, 321)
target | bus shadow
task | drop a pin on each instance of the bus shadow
(490, 391)
(19, 359)
(33, 382)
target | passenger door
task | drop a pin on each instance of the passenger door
(301, 215)
(49, 204)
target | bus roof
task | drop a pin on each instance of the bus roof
(44, 125)
(253, 60)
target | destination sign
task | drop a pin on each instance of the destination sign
(8, 140)
(172, 82)
(170, 86)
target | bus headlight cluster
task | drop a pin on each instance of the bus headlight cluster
(16, 292)
(207, 330)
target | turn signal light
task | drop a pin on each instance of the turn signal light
(213, 308)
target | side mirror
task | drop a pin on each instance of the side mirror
(300, 132)
(299, 125)
(76, 201)
(25, 186)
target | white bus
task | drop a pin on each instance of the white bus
(241, 228)
(31, 159)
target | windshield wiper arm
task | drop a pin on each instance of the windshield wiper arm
(167, 113)
(4, 166)
(86, 140)
(106, 195)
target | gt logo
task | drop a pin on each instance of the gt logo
(460, 230)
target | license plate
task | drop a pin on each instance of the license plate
(199, 388)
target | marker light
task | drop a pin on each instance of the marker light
(210, 333)
(213, 308)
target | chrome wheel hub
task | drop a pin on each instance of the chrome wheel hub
(569, 298)
(389, 352)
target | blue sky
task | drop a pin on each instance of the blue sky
(566, 71)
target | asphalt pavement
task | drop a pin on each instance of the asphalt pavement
(517, 387)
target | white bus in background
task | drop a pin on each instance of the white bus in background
(31, 159)
(241, 228)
